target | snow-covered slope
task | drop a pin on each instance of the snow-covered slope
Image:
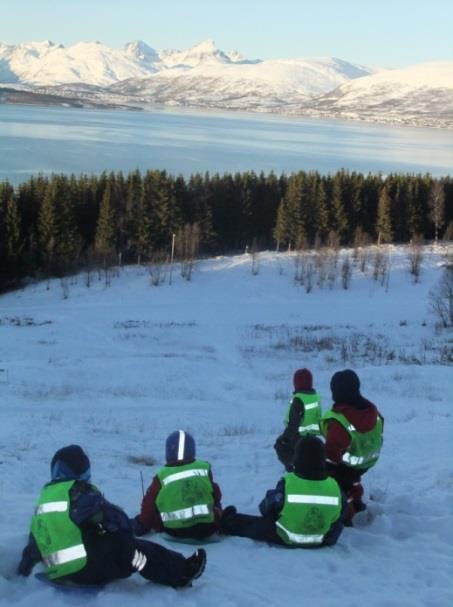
(267, 85)
(205, 76)
(85, 62)
(48, 64)
(117, 368)
(422, 91)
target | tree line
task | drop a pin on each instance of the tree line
(54, 225)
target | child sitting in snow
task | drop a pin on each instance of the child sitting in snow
(302, 417)
(304, 510)
(83, 539)
(183, 498)
(354, 434)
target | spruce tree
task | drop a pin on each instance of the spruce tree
(13, 245)
(47, 227)
(105, 229)
(384, 222)
(437, 207)
(321, 211)
(339, 220)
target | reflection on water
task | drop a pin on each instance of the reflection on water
(49, 140)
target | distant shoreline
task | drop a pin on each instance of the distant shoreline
(12, 96)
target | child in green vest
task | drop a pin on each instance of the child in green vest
(83, 539)
(304, 510)
(353, 429)
(302, 417)
(183, 499)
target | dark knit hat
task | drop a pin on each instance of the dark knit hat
(303, 380)
(70, 463)
(180, 446)
(345, 386)
(310, 458)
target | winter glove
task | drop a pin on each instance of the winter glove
(138, 527)
(115, 519)
(25, 566)
(30, 557)
(284, 450)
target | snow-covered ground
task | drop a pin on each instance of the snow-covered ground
(116, 368)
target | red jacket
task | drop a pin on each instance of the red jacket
(337, 439)
(149, 516)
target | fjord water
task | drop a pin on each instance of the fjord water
(66, 140)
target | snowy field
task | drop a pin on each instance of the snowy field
(117, 368)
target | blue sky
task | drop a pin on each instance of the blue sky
(382, 33)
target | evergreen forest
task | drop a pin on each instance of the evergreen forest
(59, 224)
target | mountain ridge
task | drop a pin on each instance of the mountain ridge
(203, 76)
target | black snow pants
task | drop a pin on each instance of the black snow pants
(113, 555)
(262, 529)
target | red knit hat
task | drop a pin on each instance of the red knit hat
(303, 380)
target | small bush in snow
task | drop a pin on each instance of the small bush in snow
(415, 257)
(346, 273)
(237, 430)
(141, 460)
(441, 298)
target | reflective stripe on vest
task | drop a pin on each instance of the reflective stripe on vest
(299, 538)
(309, 428)
(186, 474)
(311, 406)
(364, 447)
(65, 556)
(313, 499)
(51, 507)
(355, 460)
(186, 513)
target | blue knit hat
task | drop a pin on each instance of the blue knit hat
(179, 447)
(70, 463)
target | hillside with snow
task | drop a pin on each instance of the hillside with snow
(423, 92)
(115, 364)
(203, 76)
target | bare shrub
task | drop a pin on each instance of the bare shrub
(381, 267)
(64, 283)
(333, 243)
(441, 298)
(255, 258)
(107, 276)
(88, 278)
(346, 272)
(187, 246)
(299, 267)
(321, 261)
(437, 207)
(309, 276)
(237, 430)
(415, 257)
(448, 234)
(141, 460)
(332, 269)
(156, 268)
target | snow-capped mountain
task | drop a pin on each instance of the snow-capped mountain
(275, 85)
(47, 64)
(422, 93)
(204, 76)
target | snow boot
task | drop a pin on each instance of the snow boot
(349, 515)
(227, 514)
(195, 565)
(359, 506)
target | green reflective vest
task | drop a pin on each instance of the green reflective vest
(365, 447)
(186, 497)
(309, 422)
(59, 539)
(309, 510)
